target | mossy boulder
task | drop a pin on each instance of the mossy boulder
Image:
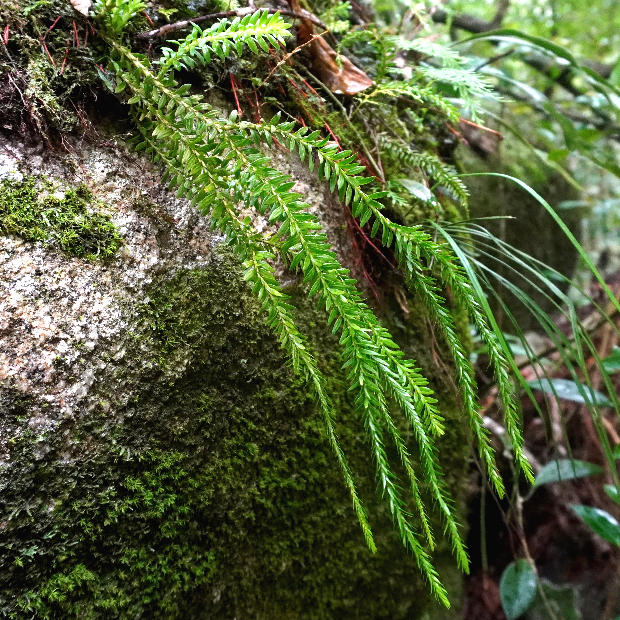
(159, 459)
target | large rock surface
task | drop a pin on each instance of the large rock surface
(157, 457)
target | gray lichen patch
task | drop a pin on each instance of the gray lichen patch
(65, 320)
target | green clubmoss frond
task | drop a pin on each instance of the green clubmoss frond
(218, 164)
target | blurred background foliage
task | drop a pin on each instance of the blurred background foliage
(555, 69)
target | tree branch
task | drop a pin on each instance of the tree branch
(471, 23)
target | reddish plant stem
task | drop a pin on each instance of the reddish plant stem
(75, 32)
(148, 18)
(331, 133)
(457, 134)
(51, 27)
(297, 87)
(64, 60)
(48, 52)
(482, 128)
(232, 83)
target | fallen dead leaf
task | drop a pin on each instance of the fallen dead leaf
(81, 6)
(346, 79)
(341, 78)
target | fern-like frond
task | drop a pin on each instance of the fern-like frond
(374, 361)
(218, 164)
(256, 257)
(412, 242)
(203, 171)
(468, 83)
(447, 67)
(114, 15)
(443, 54)
(441, 173)
(418, 94)
(256, 30)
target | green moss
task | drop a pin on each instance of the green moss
(213, 495)
(64, 221)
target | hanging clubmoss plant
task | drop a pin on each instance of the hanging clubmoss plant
(219, 163)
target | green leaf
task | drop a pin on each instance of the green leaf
(612, 492)
(420, 191)
(612, 363)
(558, 155)
(517, 588)
(562, 599)
(565, 469)
(571, 390)
(601, 522)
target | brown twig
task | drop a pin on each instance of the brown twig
(373, 135)
(482, 128)
(528, 556)
(79, 115)
(281, 145)
(490, 61)
(311, 89)
(160, 32)
(258, 110)
(369, 241)
(471, 23)
(19, 91)
(301, 92)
